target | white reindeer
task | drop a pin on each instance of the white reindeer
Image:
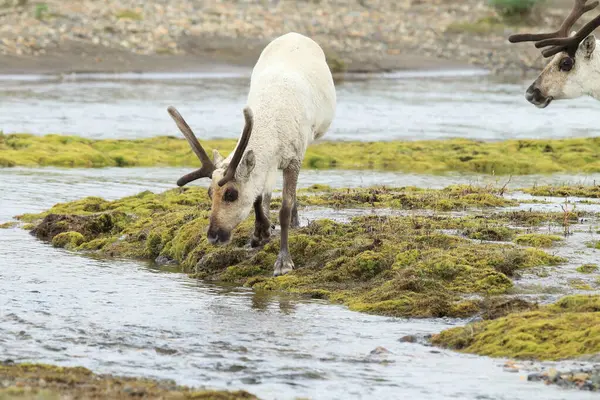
(575, 69)
(291, 103)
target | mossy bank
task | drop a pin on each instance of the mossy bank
(566, 329)
(419, 264)
(515, 157)
(49, 382)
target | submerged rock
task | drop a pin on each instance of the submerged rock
(408, 339)
(165, 260)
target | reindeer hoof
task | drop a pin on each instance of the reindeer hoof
(258, 241)
(262, 237)
(283, 265)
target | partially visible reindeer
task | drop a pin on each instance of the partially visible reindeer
(575, 69)
(291, 103)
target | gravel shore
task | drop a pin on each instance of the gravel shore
(181, 35)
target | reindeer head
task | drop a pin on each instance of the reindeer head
(230, 192)
(567, 75)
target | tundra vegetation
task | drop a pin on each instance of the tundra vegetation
(516, 157)
(413, 263)
(419, 253)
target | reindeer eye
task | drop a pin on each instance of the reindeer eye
(230, 195)
(566, 64)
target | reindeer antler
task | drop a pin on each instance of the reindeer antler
(239, 151)
(569, 44)
(207, 165)
(560, 39)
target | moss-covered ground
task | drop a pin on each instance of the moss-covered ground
(419, 264)
(48, 382)
(538, 240)
(592, 191)
(566, 329)
(515, 157)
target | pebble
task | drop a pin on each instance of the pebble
(379, 350)
(372, 27)
(583, 379)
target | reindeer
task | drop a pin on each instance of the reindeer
(291, 103)
(575, 68)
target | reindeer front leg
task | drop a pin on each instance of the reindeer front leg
(295, 219)
(262, 224)
(284, 263)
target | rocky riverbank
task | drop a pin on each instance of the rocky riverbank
(181, 35)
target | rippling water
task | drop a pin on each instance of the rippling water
(394, 106)
(126, 317)
(130, 318)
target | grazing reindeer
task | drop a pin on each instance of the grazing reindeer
(291, 102)
(575, 69)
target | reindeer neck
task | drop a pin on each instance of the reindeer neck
(264, 145)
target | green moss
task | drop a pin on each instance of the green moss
(594, 244)
(41, 381)
(68, 240)
(538, 240)
(401, 265)
(536, 218)
(8, 225)
(580, 284)
(515, 157)
(588, 268)
(482, 26)
(567, 329)
(565, 191)
(129, 14)
(490, 232)
(455, 197)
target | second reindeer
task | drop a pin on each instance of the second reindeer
(291, 103)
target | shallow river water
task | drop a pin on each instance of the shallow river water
(402, 105)
(131, 318)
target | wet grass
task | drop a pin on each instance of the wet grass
(45, 382)
(566, 329)
(414, 265)
(517, 157)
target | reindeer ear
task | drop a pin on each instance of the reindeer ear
(245, 167)
(217, 158)
(588, 46)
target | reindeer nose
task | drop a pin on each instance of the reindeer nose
(534, 95)
(217, 235)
